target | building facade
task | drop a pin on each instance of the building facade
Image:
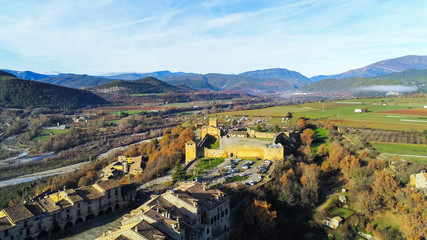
(50, 213)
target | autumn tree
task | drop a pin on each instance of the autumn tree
(307, 136)
(302, 123)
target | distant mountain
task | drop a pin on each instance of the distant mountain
(19, 93)
(381, 68)
(293, 77)
(26, 74)
(229, 82)
(135, 76)
(144, 85)
(413, 78)
(75, 80)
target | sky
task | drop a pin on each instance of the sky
(221, 36)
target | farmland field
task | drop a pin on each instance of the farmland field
(46, 134)
(376, 135)
(343, 113)
(401, 149)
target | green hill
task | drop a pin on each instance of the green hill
(143, 85)
(19, 93)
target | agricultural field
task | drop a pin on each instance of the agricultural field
(343, 114)
(128, 112)
(375, 135)
(401, 149)
(46, 134)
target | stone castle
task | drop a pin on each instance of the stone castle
(257, 150)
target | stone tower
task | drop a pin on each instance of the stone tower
(190, 151)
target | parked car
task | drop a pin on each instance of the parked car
(245, 167)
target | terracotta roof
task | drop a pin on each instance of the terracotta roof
(210, 198)
(5, 224)
(89, 193)
(49, 204)
(148, 231)
(35, 208)
(73, 196)
(108, 185)
(158, 218)
(121, 237)
(18, 213)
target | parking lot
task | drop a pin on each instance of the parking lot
(234, 171)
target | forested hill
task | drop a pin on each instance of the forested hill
(19, 93)
(143, 85)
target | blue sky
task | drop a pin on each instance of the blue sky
(224, 36)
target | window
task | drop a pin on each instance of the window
(222, 214)
(211, 220)
(6, 232)
(78, 212)
(116, 192)
(25, 223)
(78, 205)
(226, 211)
(207, 230)
(109, 195)
(68, 210)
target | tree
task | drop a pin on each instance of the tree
(234, 122)
(276, 128)
(364, 109)
(258, 128)
(179, 173)
(301, 123)
(307, 136)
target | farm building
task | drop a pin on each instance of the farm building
(358, 110)
(332, 222)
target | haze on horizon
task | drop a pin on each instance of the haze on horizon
(308, 36)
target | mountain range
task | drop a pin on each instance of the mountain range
(381, 68)
(258, 81)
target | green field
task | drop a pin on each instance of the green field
(209, 163)
(128, 112)
(386, 220)
(180, 104)
(45, 134)
(342, 212)
(401, 149)
(342, 113)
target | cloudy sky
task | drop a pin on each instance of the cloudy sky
(225, 36)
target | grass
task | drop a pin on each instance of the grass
(209, 163)
(45, 134)
(320, 137)
(129, 112)
(386, 220)
(342, 212)
(342, 113)
(236, 179)
(148, 94)
(400, 149)
(215, 145)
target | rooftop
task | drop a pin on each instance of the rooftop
(18, 213)
(108, 185)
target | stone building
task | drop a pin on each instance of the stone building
(53, 212)
(190, 151)
(188, 212)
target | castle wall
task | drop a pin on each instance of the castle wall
(214, 153)
(245, 151)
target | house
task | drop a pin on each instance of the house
(190, 211)
(78, 119)
(332, 222)
(52, 212)
(358, 110)
(419, 180)
(342, 198)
